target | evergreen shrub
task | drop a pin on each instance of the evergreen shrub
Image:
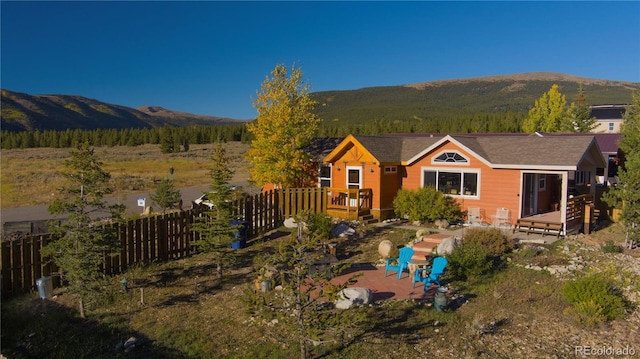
(320, 225)
(469, 261)
(493, 240)
(426, 205)
(594, 299)
(611, 247)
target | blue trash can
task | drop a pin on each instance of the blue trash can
(240, 234)
(45, 287)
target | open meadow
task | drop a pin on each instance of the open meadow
(31, 176)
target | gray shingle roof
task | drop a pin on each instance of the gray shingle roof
(395, 149)
(320, 147)
(506, 150)
(534, 151)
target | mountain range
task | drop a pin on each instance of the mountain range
(22, 111)
(427, 100)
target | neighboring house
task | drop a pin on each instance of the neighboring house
(608, 117)
(517, 174)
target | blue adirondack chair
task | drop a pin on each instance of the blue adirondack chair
(436, 270)
(402, 260)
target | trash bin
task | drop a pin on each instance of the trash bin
(45, 287)
(240, 234)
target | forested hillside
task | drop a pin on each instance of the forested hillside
(456, 98)
(488, 104)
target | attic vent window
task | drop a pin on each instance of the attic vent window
(450, 157)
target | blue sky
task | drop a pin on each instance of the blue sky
(211, 57)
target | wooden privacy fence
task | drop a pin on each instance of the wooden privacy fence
(292, 200)
(156, 238)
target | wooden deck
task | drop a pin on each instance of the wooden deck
(349, 203)
(545, 223)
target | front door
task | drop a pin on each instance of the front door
(530, 194)
(354, 181)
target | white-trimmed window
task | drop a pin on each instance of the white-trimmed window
(451, 182)
(324, 175)
(612, 126)
(390, 170)
(450, 157)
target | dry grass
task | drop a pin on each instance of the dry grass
(31, 176)
(516, 313)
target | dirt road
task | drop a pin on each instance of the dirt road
(40, 213)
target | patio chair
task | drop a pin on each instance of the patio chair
(436, 270)
(402, 261)
(501, 218)
(474, 216)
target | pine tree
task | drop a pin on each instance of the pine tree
(166, 139)
(626, 194)
(166, 195)
(285, 124)
(305, 287)
(81, 243)
(579, 115)
(214, 226)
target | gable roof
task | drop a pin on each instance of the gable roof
(496, 151)
(385, 149)
(394, 149)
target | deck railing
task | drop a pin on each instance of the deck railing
(575, 210)
(350, 200)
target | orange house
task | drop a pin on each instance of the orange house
(503, 178)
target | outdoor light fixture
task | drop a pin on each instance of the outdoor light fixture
(371, 169)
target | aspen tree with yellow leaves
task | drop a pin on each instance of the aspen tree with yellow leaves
(284, 126)
(548, 114)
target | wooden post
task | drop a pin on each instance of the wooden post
(587, 218)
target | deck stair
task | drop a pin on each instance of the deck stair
(427, 245)
(367, 218)
(529, 226)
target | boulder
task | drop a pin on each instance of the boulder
(441, 223)
(353, 296)
(290, 223)
(384, 248)
(447, 245)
